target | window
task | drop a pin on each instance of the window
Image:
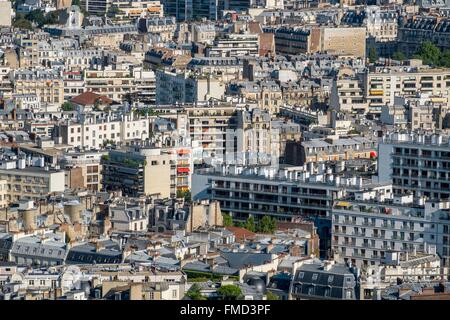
(174, 294)
(330, 279)
(311, 290)
(314, 276)
(348, 294)
(301, 275)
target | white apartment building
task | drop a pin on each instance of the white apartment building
(416, 162)
(370, 226)
(91, 132)
(235, 45)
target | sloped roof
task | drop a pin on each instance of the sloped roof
(89, 98)
(241, 233)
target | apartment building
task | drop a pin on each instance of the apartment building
(139, 172)
(128, 217)
(137, 9)
(384, 83)
(84, 170)
(439, 234)
(371, 224)
(283, 194)
(332, 148)
(210, 126)
(165, 27)
(416, 162)
(31, 183)
(94, 130)
(257, 141)
(47, 84)
(234, 45)
(48, 249)
(418, 29)
(347, 41)
(111, 83)
(184, 166)
(186, 87)
(97, 7)
(267, 94)
(292, 40)
(73, 84)
(348, 94)
(381, 24)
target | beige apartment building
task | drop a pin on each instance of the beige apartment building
(3, 193)
(46, 84)
(383, 84)
(111, 83)
(31, 183)
(339, 41)
(348, 94)
(5, 13)
(347, 41)
(84, 170)
(139, 172)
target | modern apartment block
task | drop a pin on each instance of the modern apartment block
(371, 224)
(97, 7)
(283, 194)
(31, 183)
(83, 170)
(138, 172)
(348, 94)
(383, 84)
(185, 87)
(115, 84)
(415, 162)
(235, 45)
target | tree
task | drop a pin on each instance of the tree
(267, 225)
(52, 17)
(113, 11)
(271, 296)
(398, 55)
(429, 53)
(240, 224)
(445, 59)
(184, 194)
(227, 220)
(250, 224)
(76, 2)
(22, 23)
(194, 293)
(37, 16)
(229, 292)
(67, 106)
(373, 56)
